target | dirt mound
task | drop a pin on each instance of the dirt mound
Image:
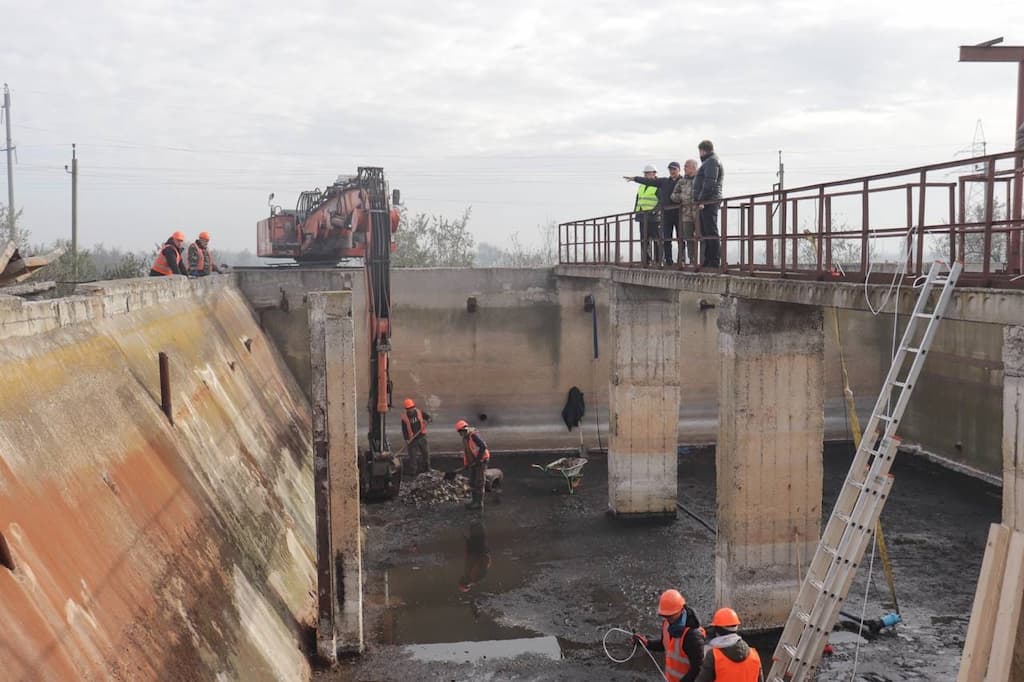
(430, 488)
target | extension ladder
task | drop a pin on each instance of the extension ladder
(850, 527)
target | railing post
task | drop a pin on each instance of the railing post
(990, 172)
(724, 248)
(962, 220)
(921, 224)
(952, 223)
(794, 223)
(827, 234)
(618, 238)
(910, 227)
(782, 233)
(770, 233)
(819, 239)
(865, 226)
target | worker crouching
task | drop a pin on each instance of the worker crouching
(475, 457)
(682, 638)
(728, 657)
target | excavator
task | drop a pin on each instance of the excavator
(352, 218)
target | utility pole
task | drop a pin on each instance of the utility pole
(992, 51)
(74, 212)
(782, 172)
(10, 164)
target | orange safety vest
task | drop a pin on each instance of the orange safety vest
(471, 452)
(161, 265)
(677, 663)
(728, 670)
(200, 257)
(415, 424)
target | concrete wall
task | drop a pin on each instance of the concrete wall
(530, 341)
(141, 550)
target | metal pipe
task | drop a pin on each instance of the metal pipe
(165, 388)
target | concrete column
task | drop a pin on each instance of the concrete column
(1013, 427)
(643, 401)
(770, 431)
(336, 475)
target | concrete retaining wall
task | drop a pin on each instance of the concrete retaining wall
(141, 550)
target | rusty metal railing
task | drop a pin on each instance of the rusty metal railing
(862, 229)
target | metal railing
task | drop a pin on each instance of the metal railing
(862, 229)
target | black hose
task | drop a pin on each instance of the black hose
(698, 519)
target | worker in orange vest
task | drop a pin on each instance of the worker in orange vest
(414, 431)
(682, 638)
(168, 261)
(728, 657)
(475, 457)
(200, 260)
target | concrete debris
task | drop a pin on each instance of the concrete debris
(430, 488)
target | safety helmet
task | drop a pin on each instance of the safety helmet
(409, 403)
(461, 424)
(650, 169)
(725, 618)
(179, 235)
(671, 603)
(204, 235)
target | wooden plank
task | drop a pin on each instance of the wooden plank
(6, 253)
(978, 644)
(1008, 614)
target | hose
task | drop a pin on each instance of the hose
(698, 519)
(604, 643)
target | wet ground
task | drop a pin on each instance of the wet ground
(527, 590)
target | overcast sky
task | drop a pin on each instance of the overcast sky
(187, 114)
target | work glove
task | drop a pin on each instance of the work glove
(640, 639)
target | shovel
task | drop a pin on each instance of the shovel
(450, 475)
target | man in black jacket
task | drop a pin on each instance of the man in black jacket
(707, 193)
(666, 210)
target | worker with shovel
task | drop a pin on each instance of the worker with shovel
(475, 457)
(414, 430)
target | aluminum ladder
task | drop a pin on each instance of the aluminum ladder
(851, 526)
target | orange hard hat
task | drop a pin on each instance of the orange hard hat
(179, 235)
(204, 235)
(725, 618)
(409, 403)
(671, 603)
(461, 424)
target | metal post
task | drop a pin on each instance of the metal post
(74, 213)
(10, 165)
(165, 387)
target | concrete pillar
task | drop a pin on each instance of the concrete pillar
(643, 401)
(770, 431)
(1013, 427)
(336, 475)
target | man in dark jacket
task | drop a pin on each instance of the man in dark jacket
(728, 656)
(707, 193)
(682, 638)
(168, 262)
(667, 210)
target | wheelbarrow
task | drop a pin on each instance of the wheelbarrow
(569, 468)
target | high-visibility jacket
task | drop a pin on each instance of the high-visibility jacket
(199, 259)
(728, 670)
(161, 265)
(474, 449)
(413, 424)
(646, 197)
(677, 663)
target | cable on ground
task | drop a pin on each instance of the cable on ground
(604, 643)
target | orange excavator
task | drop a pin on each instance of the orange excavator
(352, 218)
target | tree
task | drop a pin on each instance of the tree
(845, 252)
(974, 243)
(21, 235)
(519, 255)
(432, 241)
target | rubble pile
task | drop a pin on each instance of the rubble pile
(430, 489)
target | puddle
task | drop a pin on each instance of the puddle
(448, 589)
(473, 652)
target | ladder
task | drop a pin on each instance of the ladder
(849, 529)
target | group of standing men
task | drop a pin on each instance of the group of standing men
(475, 455)
(684, 205)
(197, 262)
(696, 654)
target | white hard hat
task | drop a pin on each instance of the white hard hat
(650, 169)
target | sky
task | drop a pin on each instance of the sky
(187, 114)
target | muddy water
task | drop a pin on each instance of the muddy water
(449, 597)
